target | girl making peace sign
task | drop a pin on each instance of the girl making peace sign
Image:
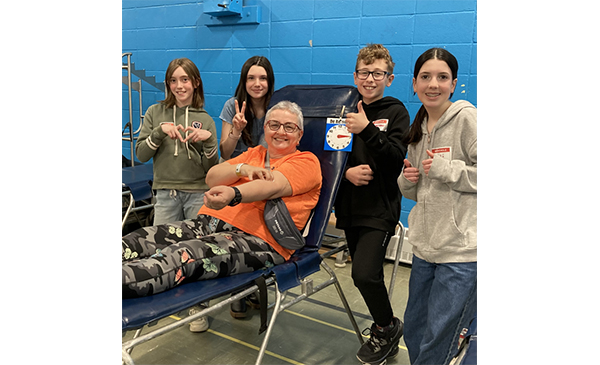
(243, 115)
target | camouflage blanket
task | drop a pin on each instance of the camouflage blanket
(161, 257)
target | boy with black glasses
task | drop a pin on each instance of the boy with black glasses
(367, 206)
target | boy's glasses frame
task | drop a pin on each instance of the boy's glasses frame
(274, 125)
(377, 75)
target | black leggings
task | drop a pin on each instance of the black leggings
(367, 248)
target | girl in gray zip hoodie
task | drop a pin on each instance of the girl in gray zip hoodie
(440, 174)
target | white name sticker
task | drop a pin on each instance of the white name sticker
(443, 152)
(382, 124)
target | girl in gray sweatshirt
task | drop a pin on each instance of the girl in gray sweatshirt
(440, 174)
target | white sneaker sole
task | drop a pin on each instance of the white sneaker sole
(200, 325)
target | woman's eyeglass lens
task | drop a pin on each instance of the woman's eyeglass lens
(287, 127)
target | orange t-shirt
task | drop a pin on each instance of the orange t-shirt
(302, 170)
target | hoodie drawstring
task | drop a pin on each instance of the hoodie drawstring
(187, 147)
(186, 125)
(175, 123)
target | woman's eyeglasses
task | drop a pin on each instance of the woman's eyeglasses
(377, 75)
(287, 127)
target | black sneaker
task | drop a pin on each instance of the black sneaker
(252, 301)
(382, 344)
(239, 309)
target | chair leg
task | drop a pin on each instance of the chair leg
(276, 310)
(174, 325)
(399, 239)
(128, 350)
(338, 287)
(127, 360)
(128, 209)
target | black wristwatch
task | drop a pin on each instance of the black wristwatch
(237, 199)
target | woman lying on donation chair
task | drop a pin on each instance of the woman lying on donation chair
(229, 235)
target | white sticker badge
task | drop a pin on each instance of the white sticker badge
(443, 152)
(382, 124)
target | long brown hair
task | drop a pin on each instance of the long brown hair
(241, 94)
(192, 71)
(415, 133)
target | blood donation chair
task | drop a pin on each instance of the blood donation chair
(137, 191)
(318, 102)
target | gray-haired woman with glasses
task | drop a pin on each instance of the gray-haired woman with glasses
(229, 236)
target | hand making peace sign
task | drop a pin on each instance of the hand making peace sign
(239, 119)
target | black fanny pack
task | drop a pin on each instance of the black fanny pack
(280, 222)
(281, 225)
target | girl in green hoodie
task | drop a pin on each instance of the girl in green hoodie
(181, 138)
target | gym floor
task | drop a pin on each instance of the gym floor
(314, 331)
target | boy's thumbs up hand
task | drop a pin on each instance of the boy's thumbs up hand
(360, 107)
(356, 122)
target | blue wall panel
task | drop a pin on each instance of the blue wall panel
(214, 37)
(291, 34)
(153, 38)
(338, 9)
(251, 36)
(334, 60)
(388, 7)
(184, 15)
(291, 10)
(239, 56)
(336, 32)
(291, 60)
(387, 30)
(445, 6)
(403, 60)
(307, 42)
(472, 90)
(180, 38)
(213, 60)
(153, 17)
(443, 28)
(219, 82)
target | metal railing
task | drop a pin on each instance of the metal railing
(130, 138)
(133, 133)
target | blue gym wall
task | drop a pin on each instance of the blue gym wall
(307, 42)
